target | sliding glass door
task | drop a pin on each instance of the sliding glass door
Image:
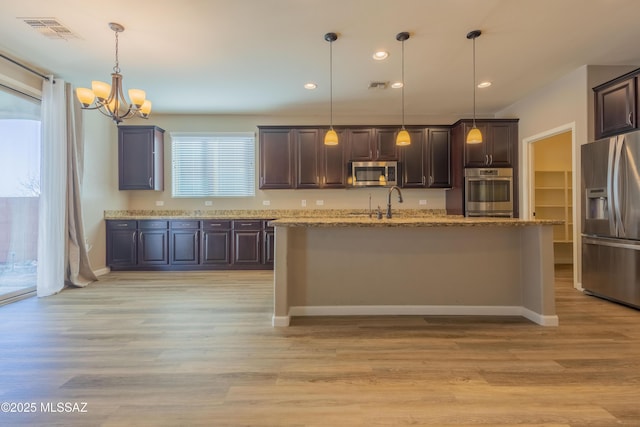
(19, 193)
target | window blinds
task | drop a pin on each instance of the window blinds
(213, 164)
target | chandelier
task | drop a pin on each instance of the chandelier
(109, 99)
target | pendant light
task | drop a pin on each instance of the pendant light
(474, 136)
(403, 137)
(331, 137)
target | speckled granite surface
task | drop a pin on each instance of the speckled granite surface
(265, 214)
(446, 221)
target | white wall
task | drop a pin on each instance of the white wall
(566, 102)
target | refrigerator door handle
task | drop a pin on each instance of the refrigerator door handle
(616, 187)
(613, 243)
(610, 176)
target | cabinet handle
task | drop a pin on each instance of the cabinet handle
(486, 159)
(150, 181)
(133, 237)
(630, 117)
(490, 159)
(431, 180)
(215, 225)
(123, 225)
(140, 237)
(423, 180)
(245, 224)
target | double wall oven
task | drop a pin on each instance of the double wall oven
(488, 192)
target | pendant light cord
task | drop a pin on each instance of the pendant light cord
(331, 85)
(474, 82)
(402, 84)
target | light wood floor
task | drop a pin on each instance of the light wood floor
(191, 349)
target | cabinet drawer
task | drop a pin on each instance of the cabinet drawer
(213, 224)
(121, 225)
(146, 224)
(247, 224)
(185, 224)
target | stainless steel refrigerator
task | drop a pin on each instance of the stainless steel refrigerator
(611, 218)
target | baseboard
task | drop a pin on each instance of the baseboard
(540, 319)
(421, 310)
(280, 321)
(102, 271)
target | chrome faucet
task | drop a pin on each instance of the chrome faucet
(389, 199)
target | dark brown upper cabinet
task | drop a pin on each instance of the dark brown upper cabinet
(499, 146)
(276, 158)
(371, 144)
(616, 106)
(140, 158)
(426, 163)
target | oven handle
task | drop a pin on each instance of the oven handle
(469, 178)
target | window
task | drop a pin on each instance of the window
(19, 194)
(213, 164)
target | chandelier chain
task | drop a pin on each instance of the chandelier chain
(116, 69)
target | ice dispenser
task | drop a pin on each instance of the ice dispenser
(597, 203)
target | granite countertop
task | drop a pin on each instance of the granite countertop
(263, 213)
(444, 221)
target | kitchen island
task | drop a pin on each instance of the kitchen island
(414, 266)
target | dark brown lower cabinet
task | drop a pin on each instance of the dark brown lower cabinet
(189, 244)
(122, 248)
(184, 243)
(246, 242)
(269, 244)
(216, 242)
(153, 243)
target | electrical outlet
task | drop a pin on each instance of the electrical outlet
(266, 202)
(422, 202)
(159, 203)
(208, 203)
(319, 202)
(303, 203)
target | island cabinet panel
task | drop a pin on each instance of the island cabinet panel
(121, 243)
(277, 158)
(153, 243)
(247, 238)
(426, 163)
(140, 158)
(616, 106)
(184, 242)
(308, 159)
(216, 242)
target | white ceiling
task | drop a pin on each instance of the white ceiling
(253, 56)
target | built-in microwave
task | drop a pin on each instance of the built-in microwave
(374, 174)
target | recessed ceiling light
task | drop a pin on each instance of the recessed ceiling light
(484, 84)
(310, 86)
(380, 55)
(396, 85)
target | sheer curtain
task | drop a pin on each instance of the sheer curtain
(61, 251)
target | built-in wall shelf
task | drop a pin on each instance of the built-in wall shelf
(553, 200)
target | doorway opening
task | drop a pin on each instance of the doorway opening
(551, 190)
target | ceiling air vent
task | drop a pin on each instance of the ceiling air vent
(50, 28)
(378, 85)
